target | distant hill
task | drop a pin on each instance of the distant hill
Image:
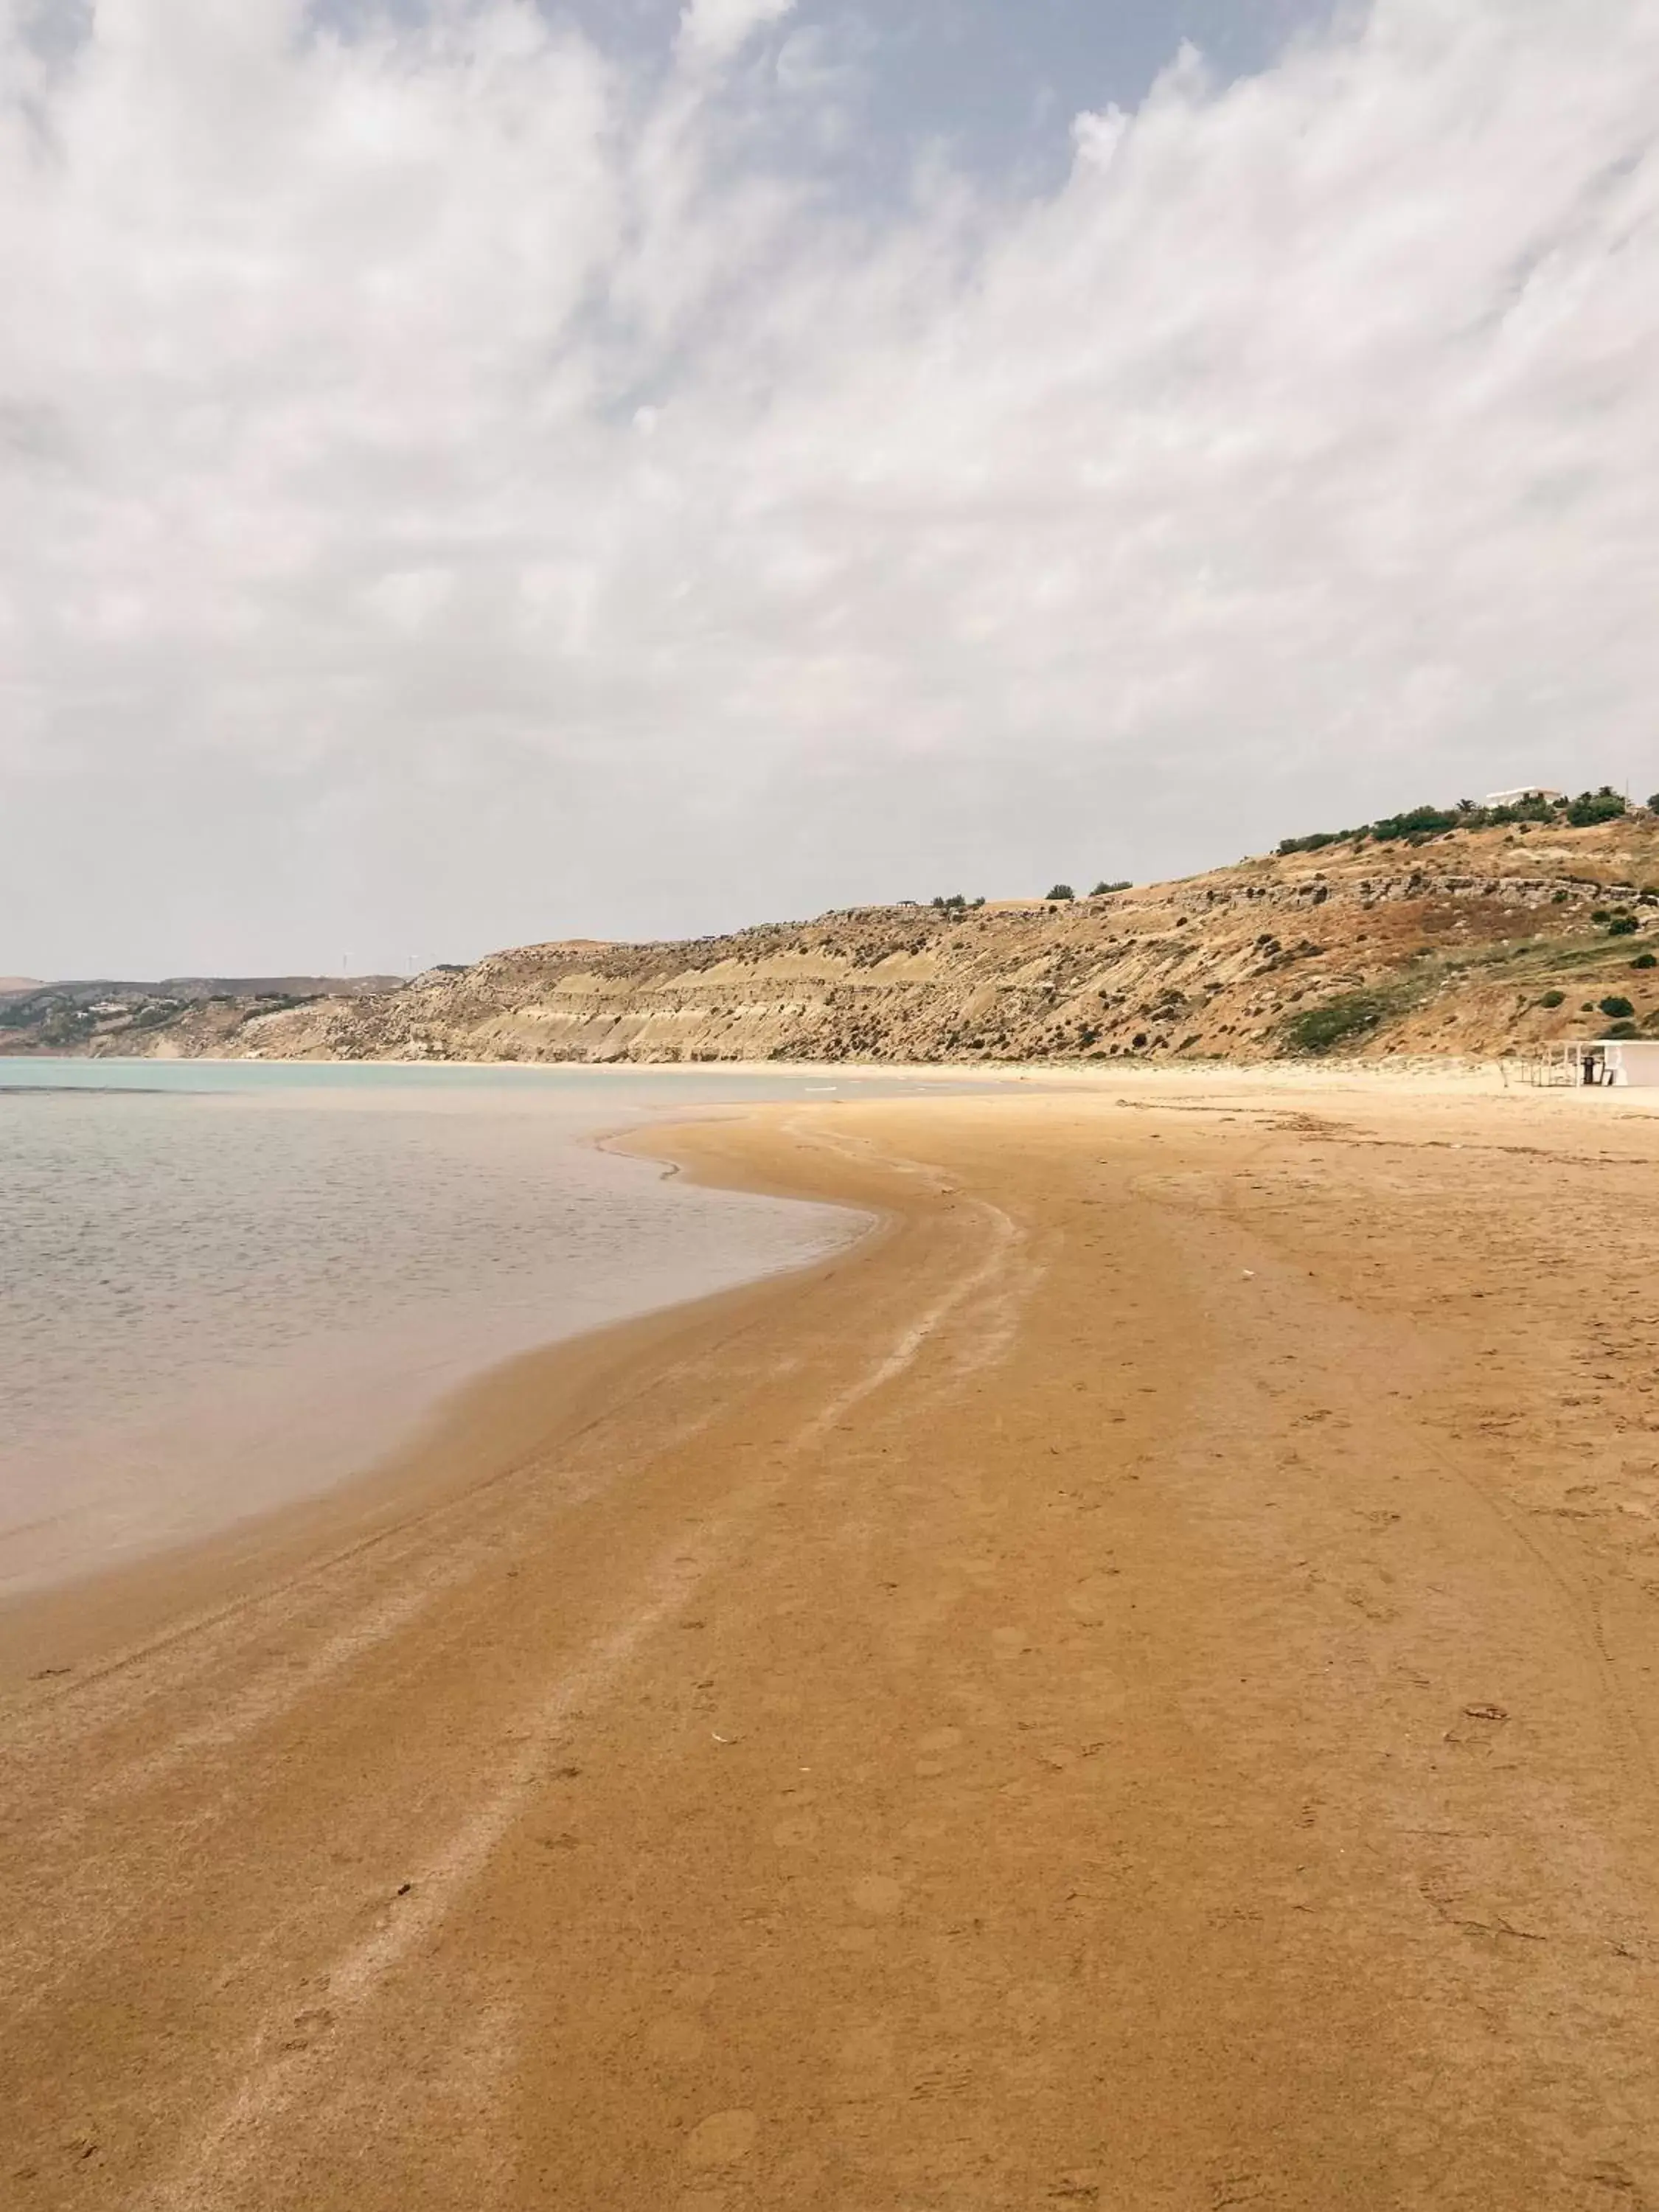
(1426, 938)
(82, 992)
(101, 1013)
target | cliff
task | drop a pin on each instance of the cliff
(1470, 941)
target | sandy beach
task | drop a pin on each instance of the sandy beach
(1132, 1687)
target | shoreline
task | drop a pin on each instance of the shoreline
(1315, 1068)
(293, 1414)
(921, 1070)
(478, 1430)
(1131, 1676)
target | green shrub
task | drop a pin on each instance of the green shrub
(1526, 812)
(1623, 925)
(1415, 824)
(1612, 1004)
(1061, 891)
(1624, 1029)
(1645, 960)
(1321, 1029)
(1560, 898)
(1601, 914)
(1102, 888)
(1553, 999)
(1593, 806)
(1417, 821)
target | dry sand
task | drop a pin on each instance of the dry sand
(1132, 1689)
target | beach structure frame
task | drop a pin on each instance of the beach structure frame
(1603, 1063)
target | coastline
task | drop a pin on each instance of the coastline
(1129, 1676)
(1412, 1067)
(711, 1070)
(480, 1431)
(331, 1262)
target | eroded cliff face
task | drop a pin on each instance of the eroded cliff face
(1448, 946)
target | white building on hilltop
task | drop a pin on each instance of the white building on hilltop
(1523, 790)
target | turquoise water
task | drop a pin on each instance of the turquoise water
(224, 1284)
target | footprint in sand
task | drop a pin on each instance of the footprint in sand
(308, 2027)
(675, 2037)
(1034, 2006)
(940, 1738)
(878, 1894)
(1090, 1603)
(939, 1743)
(868, 2048)
(722, 2139)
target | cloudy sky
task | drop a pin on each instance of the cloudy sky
(472, 473)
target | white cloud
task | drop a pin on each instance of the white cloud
(716, 29)
(1296, 456)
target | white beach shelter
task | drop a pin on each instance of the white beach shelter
(1630, 1061)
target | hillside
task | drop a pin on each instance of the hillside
(100, 1015)
(1453, 941)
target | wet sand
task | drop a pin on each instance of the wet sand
(217, 1303)
(1133, 1688)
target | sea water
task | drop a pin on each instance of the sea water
(225, 1284)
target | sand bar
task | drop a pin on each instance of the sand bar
(1132, 1687)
